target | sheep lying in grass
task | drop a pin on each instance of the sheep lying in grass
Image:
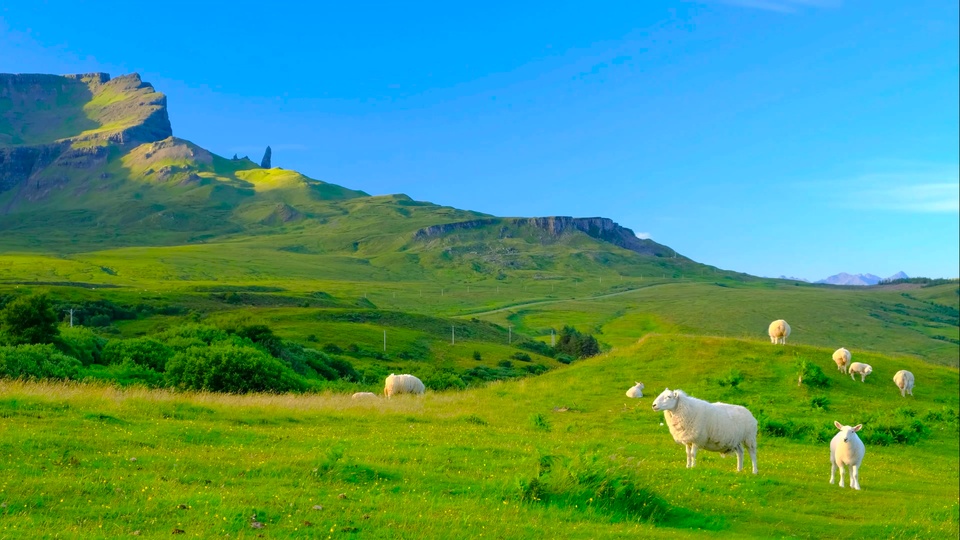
(402, 384)
(363, 395)
(846, 449)
(635, 391)
(717, 427)
(904, 380)
(779, 331)
(842, 358)
(862, 369)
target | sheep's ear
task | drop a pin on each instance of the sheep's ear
(837, 424)
(676, 394)
(858, 427)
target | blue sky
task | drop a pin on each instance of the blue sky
(795, 137)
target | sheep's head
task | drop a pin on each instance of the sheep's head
(847, 430)
(666, 401)
(867, 369)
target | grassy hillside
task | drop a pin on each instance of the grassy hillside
(560, 455)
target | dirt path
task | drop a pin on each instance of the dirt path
(544, 302)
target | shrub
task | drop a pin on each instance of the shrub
(521, 356)
(37, 362)
(811, 375)
(231, 368)
(332, 348)
(576, 344)
(820, 403)
(81, 343)
(444, 380)
(29, 320)
(505, 364)
(145, 352)
(203, 332)
(732, 379)
(535, 369)
(477, 356)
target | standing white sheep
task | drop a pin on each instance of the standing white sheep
(842, 358)
(779, 331)
(402, 384)
(635, 391)
(846, 449)
(862, 369)
(904, 380)
(718, 427)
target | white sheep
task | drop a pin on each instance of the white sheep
(779, 331)
(846, 448)
(363, 395)
(904, 380)
(717, 427)
(635, 391)
(862, 369)
(842, 358)
(402, 384)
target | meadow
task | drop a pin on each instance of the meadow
(564, 454)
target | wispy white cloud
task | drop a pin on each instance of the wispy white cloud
(643, 235)
(780, 6)
(905, 187)
(926, 198)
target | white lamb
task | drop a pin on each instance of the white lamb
(635, 391)
(717, 427)
(779, 331)
(904, 380)
(862, 369)
(363, 395)
(842, 358)
(402, 384)
(846, 448)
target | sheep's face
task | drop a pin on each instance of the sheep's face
(867, 370)
(847, 430)
(666, 401)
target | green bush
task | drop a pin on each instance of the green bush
(81, 343)
(811, 375)
(477, 356)
(37, 362)
(231, 368)
(732, 379)
(203, 332)
(144, 352)
(29, 320)
(521, 356)
(444, 380)
(576, 344)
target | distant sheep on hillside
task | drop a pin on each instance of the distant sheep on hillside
(862, 369)
(904, 380)
(846, 449)
(779, 331)
(635, 391)
(842, 357)
(363, 395)
(402, 384)
(718, 427)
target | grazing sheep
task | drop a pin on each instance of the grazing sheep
(779, 331)
(402, 384)
(842, 358)
(846, 448)
(635, 391)
(904, 380)
(717, 427)
(862, 369)
(363, 395)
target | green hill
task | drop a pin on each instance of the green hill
(563, 455)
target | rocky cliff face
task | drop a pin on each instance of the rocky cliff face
(555, 227)
(50, 124)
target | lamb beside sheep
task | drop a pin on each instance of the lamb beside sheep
(363, 395)
(402, 384)
(779, 331)
(842, 358)
(635, 391)
(904, 381)
(718, 427)
(846, 449)
(862, 369)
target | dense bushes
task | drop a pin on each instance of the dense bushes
(82, 344)
(37, 362)
(576, 344)
(231, 368)
(144, 352)
(28, 320)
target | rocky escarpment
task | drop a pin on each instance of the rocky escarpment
(52, 124)
(555, 227)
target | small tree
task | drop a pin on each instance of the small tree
(29, 320)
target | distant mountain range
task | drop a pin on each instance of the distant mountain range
(844, 278)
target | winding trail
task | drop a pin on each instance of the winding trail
(544, 302)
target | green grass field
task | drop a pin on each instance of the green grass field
(560, 455)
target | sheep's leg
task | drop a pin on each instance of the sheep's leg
(739, 451)
(903, 392)
(855, 477)
(691, 455)
(833, 470)
(863, 377)
(753, 456)
(842, 468)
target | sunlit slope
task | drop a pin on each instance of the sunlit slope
(563, 455)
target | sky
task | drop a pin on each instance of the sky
(775, 137)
